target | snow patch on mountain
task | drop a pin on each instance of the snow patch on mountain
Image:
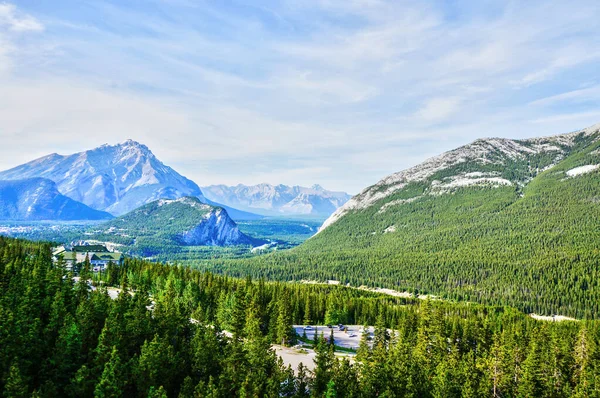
(582, 170)
(469, 179)
(397, 202)
(187, 201)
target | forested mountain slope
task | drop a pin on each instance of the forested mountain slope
(497, 221)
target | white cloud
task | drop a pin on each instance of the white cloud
(338, 91)
(567, 58)
(582, 94)
(583, 119)
(437, 109)
(16, 21)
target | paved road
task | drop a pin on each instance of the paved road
(294, 356)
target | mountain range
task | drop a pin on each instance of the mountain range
(112, 178)
(120, 178)
(500, 221)
(278, 200)
(36, 199)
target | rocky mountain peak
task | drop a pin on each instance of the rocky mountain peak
(114, 178)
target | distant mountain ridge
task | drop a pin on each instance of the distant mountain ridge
(37, 199)
(278, 200)
(113, 178)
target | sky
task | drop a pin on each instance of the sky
(335, 92)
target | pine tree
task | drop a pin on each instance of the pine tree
(259, 355)
(364, 349)
(15, 386)
(495, 369)
(583, 374)
(324, 361)
(345, 378)
(331, 392)
(157, 392)
(302, 382)
(111, 382)
(82, 383)
(158, 365)
(307, 311)
(532, 383)
(285, 331)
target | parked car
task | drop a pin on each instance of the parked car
(307, 327)
(330, 326)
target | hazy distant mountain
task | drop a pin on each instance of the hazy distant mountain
(278, 200)
(114, 178)
(39, 199)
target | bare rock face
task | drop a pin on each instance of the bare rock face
(217, 229)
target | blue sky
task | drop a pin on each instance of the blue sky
(335, 92)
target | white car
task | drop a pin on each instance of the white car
(308, 327)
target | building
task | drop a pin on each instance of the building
(90, 249)
(100, 260)
(98, 255)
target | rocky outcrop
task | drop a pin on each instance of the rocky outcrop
(217, 229)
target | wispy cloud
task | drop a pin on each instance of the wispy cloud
(437, 109)
(579, 95)
(343, 91)
(17, 21)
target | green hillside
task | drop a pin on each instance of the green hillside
(533, 244)
(166, 225)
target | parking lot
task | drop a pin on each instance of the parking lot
(348, 338)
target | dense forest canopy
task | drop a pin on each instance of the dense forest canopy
(162, 336)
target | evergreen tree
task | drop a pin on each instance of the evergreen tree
(285, 331)
(302, 382)
(111, 383)
(324, 361)
(15, 386)
(331, 391)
